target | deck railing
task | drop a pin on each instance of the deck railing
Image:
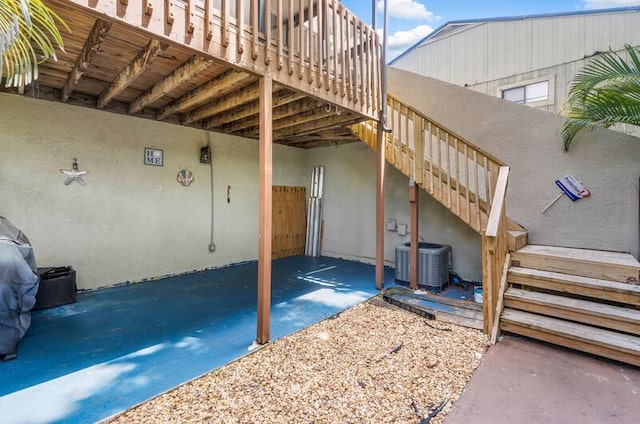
(458, 174)
(317, 46)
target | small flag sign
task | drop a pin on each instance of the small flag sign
(572, 188)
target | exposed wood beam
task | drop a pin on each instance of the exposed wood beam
(329, 136)
(86, 100)
(279, 113)
(265, 212)
(217, 87)
(91, 46)
(322, 143)
(317, 125)
(166, 85)
(131, 72)
(280, 99)
(229, 101)
(300, 118)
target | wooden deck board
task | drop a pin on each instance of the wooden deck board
(614, 266)
(620, 347)
(585, 286)
(464, 313)
(592, 313)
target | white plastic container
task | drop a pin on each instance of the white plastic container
(477, 294)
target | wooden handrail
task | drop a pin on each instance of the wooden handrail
(498, 207)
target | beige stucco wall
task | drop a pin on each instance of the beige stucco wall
(130, 221)
(349, 211)
(528, 140)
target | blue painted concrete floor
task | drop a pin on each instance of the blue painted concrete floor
(117, 347)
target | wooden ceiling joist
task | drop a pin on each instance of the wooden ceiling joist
(91, 46)
(217, 87)
(316, 126)
(165, 86)
(280, 98)
(299, 118)
(113, 65)
(320, 142)
(131, 72)
(322, 138)
(279, 113)
(229, 101)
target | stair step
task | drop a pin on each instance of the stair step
(516, 239)
(575, 284)
(621, 267)
(584, 311)
(612, 345)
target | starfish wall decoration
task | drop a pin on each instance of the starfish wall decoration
(74, 174)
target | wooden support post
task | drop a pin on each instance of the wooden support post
(380, 145)
(488, 259)
(413, 200)
(265, 210)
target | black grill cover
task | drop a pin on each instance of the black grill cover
(18, 286)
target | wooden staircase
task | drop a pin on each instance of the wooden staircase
(577, 298)
(456, 173)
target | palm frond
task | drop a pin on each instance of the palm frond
(29, 34)
(606, 92)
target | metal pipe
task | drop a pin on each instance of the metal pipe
(316, 227)
(319, 236)
(320, 181)
(379, 277)
(374, 15)
(212, 244)
(312, 225)
(307, 244)
(314, 182)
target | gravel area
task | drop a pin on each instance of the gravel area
(374, 363)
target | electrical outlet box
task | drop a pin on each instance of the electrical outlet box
(391, 224)
(402, 229)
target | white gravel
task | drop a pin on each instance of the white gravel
(374, 363)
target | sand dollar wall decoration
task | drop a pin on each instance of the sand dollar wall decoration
(185, 177)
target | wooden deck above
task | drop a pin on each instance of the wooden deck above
(197, 63)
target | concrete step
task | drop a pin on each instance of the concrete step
(620, 267)
(583, 311)
(597, 341)
(584, 286)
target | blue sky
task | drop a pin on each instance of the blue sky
(411, 20)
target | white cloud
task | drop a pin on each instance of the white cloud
(404, 39)
(604, 4)
(407, 9)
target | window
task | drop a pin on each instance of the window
(536, 93)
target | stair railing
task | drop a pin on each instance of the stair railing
(457, 173)
(494, 250)
(465, 179)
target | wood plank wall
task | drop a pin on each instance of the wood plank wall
(289, 221)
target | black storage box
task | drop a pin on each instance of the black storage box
(57, 287)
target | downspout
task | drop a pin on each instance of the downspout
(380, 150)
